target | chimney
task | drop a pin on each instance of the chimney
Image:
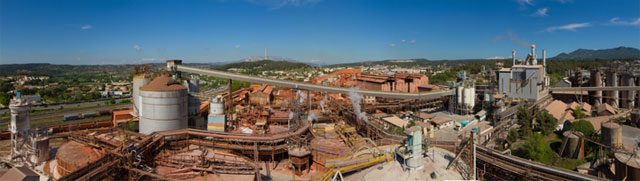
(533, 55)
(513, 57)
(544, 57)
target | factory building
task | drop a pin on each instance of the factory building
(527, 80)
(393, 83)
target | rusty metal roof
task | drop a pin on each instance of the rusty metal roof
(163, 83)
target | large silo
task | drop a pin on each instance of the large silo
(612, 81)
(163, 105)
(193, 86)
(574, 145)
(627, 166)
(138, 81)
(611, 134)
(596, 81)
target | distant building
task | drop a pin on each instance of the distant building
(524, 81)
(393, 83)
(261, 94)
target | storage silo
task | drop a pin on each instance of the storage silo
(216, 119)
(627, 166)
(163, 105)
(138, 81)
(470, 97)
(611, 134)
(193, 86)
(612, 81)
(595, 81)
(573, 145)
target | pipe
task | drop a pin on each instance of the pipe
(513, 57)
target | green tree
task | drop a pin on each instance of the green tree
(5, 98)
(112, 101)
(583, 126)
(513, 135)
(578, 114)
(524, 120)
(546, 122)
(535, 148)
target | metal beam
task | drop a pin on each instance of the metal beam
(308, 86)
(622, 88)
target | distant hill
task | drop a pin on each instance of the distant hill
(262, 65)
(604, 54)
(398, 62)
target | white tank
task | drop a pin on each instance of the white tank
(138, 81)
(194, 103)
(20, 121)
(217, 106)
(459, 90)
(469, 97)
(163, 105)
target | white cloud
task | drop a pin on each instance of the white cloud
(412, 41)
(497, 39)
(497, 58)
(525, 2)
(149, 59)
(237, 46)
(569, 27)
(86, 27)
(403, 41)
(137, 47)
(617, 21)
(541, 12)
(392, 45)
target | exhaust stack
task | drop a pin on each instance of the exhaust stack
(544, 58)
(513, 57)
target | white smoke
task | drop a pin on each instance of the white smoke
(355, 99)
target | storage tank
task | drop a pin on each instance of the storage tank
(194, 103)
(163, 105)
(595, 81)
(574, 145)
(20, 121)
(216, 119)
(72, 156)
(138, 81)
(469, 97)
(627, 166)
(612, 81)
(459, 91)
(611, 134)
(626, 97)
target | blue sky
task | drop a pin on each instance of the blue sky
(319, 31)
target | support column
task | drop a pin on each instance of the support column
(255, 157)
(230, 101)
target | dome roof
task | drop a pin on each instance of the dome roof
(163, 83)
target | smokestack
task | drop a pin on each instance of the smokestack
(533, 55)
(544, 58)
(513, 57)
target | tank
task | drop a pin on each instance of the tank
(626, 97)
(459, 90)
(627, 166)
(163, 105)
(612, 81)
(216, 119)
(41, 144)
(20, 121)
(595, 81)
(138, 81)
(573, 145)
(469, 97)
(194, 103)
(611, 134)
(72, 156)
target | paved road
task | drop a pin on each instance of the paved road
(83, 104)
(308, 86)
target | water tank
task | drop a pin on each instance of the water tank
(573, 145)
(163, 105)
(627, 166)
(138, 81)
(611, 134)
(216, 119)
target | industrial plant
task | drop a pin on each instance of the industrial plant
(344, 125)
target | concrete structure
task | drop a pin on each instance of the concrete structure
(595, 81)
(409, 83)
(193, 86)
(573, 145)
(627, 166)
(216, 120)
(411, 152)
(524, 81)
(612, 81)
(163, 105)
(72, 156)
(138, 81)
(20, 124)
(611, 134)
